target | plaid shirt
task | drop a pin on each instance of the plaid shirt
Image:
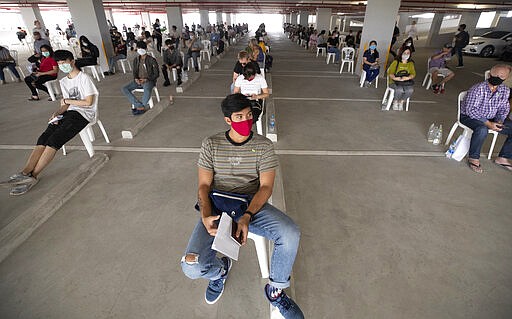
(482, 104)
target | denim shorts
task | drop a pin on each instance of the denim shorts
(56, 135)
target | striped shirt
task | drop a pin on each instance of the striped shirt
(482, 104)
(236, 166)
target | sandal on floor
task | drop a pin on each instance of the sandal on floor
(506, 166)
(477, 168)
(33, 99)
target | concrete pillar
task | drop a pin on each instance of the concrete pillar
(303, 18)
(470, 19)
(286, 18)
(323, 16)
(204, 19)
(293, 16)
(29, 15)
(379, 23)
(228, 18)
(497, 18)
(90, 20)
(219, 18)
(146, 20)
(433, 33)
(110, 16)
(174, 17)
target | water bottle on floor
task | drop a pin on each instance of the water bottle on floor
(430, 133)
(272, 124)
(438, 136)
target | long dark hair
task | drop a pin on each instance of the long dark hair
(83, 39)
(398, 57)
(47, 47)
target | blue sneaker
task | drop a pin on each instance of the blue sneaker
(216, 287)
(287, 307)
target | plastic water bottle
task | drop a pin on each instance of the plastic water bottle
(438, 136)
(272, 123)
(430, 134)
(451, 149)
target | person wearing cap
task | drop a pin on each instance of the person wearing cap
(437, 67)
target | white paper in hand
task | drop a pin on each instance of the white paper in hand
(224, 241)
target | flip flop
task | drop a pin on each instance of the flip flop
(506, 166)
(475, 168)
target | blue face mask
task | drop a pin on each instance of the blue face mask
(373, 47)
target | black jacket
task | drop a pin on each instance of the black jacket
(151, 67)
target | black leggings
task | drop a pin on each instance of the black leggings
(38, 83)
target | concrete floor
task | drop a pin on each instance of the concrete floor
(384, 235)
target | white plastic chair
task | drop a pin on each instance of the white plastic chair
(262, 252)
(150, 102)
(329, 55)
(347, 56)
(487, 75)
(94, 71)
(363, 78)
(428, 77)
(87, 134)
(322, 50)
(123, 63)
(53, 87)
(457, 124)
(205, 50)
(75, 46)
(389, 95)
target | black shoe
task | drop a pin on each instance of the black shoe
(179, 82)
(185, 69)
(197, 69)
(167, 83)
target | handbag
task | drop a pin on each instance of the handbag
(403, 73)
(233, 204)
(460, 147)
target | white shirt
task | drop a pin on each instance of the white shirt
(413, 31)
(249, 88)
(78, 88)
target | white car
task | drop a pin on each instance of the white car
(489, 44)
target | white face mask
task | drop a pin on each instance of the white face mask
(141, 51)
(405, 57)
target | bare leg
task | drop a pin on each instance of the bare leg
(447, 78)
(33, 159)
(44, 160)
(435, 78)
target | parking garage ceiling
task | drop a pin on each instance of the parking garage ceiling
(274, 6)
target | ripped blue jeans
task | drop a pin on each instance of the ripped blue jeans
(270, 223)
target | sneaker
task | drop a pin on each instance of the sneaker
(138, 112)
(16, 179)
(216, 287)
(2, 82)
(179, 82)
(286, 306)
(459, 66)
(366, 84)
(435, 88)
(395, 105)
(442, 90)
(401, 105)
(23, 188)
(167, 83)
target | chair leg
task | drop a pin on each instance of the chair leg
(494, 138)
(407, 104)
(157, 94)
(103, 131)
(90, 132)
(452, 131)
(429, 83)
(259, 127)
(123, 67)
(363, 78)
(87, 142)
(377, 82)
(64, 150)
(425, 79)
(391, 96)
(261, 251)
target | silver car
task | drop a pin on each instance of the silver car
(489, 44)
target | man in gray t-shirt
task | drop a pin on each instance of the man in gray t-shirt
(241, 162)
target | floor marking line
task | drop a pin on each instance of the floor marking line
(342, 99)
(479, 74)
(137, 149)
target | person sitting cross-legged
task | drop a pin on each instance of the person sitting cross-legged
(145, 74)
(241, 163)
(76, 111)
(437, 66)
(485, 108)
(172, 59)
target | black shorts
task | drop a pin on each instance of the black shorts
(56, 135)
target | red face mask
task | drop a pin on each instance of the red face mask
(243, 128)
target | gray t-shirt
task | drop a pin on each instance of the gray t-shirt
(236, 167)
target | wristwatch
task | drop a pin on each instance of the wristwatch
(250, 214)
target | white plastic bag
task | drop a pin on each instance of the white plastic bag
(462, 146)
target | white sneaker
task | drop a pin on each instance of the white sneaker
(401, 106)
(395, 105)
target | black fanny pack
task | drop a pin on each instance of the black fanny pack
(233, 204)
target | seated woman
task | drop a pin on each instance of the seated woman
(7, 61)
(90, 53)
(408, 43)
(252, 85)
(371, 63)
(321, 42)
(401, 73)
(47, 71)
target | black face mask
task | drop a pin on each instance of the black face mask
(495, 80)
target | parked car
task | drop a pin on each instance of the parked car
(489, 44)
(507, 53)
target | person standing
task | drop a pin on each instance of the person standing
(157, 35)
(244, 164)
(413, 31)
(461, 39)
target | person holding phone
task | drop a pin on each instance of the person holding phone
(484, 108)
